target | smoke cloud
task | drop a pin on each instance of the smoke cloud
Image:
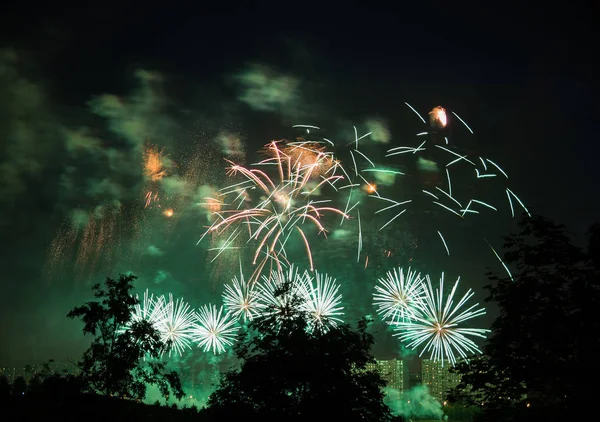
(413, 403)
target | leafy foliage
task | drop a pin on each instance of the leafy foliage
(545, 335)
(120, 361)
(289, 372)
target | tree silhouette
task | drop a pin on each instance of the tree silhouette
(19, 387)
(594, 244)
(51, 395)
(47, 385)
(5, 388)
(546, 335)
(121, 360)
(290, 373)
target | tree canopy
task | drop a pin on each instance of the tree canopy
(289, 372)
(123, 357)
(545, 338)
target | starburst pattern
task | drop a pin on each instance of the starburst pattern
(279, 292)
(151, 308)
(214, 329)
(241, 298)
(436, 323)
(280, 205)
(322, 302)
(176, 328)
(397, 294)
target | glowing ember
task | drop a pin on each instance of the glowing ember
(437, 117)
(153, 164)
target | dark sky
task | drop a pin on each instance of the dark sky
(525, 75)
(525, 78)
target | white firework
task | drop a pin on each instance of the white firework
(176, 327)
(397, 295)
(214, 329)
(274, 302)
(322, 302)
(152, 309)
(241, 298)
(436, 323)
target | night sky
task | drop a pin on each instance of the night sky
(523, 79)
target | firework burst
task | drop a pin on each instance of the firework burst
(322, 302)
(241, 298)
(272, 209)
(153, 309)
(177, 325)
(397, 295)
(214, 329)
(281, 291)
(436, 324)
(155, 170)
(360, 179)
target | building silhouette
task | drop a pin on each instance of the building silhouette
(392, 371)
(414, 380)
(438, 378)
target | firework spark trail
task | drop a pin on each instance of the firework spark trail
(394, 205)
(360, 165)
(360, 239)
(85, 248)
(512, 210)
(500, 259)
(322, 302)
(397, 294)
(497, 167)
(98, 243)
(416, 112)
(463, 122)
(60, 250)
(288, 203)
(154, 172)
(444, 242)
(354, 175)
(214, 329)
(176, 328)
(436, 322)
(451, 197)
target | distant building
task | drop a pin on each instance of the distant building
(392, 371)
(438, 378)
(414, 380)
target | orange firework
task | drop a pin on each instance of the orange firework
(306, 155)
(370, 188)
(284, 204)
(437, 117)
(154, 170)
(154, 167)
(212, 205)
